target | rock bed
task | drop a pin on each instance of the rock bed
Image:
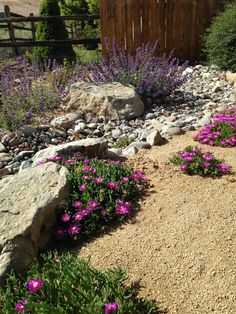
(188, 108)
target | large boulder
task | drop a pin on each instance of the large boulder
(91, 147)
(29, 201)
(112, 100)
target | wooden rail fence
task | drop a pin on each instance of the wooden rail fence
(175, 24)
(9, 19)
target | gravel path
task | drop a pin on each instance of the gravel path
(182, 244)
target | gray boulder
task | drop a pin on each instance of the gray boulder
(91, 147)
(29, 201)
(112, 100)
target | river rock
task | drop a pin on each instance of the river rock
(29, 201)
(154, 138)
(112, 100)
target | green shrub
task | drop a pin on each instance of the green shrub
(93, 6)
(71, 7)
(220, 40)
(52, 30)
(69, 285)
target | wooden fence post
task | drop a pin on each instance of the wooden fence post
(10, 28)
(33, 28)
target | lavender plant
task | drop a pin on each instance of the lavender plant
(152, 76)
(27, 90)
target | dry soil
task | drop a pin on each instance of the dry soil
(23, 7)
(182, 244)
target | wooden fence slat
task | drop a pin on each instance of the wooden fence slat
(175, 24)
(33, 27)
(10, 27)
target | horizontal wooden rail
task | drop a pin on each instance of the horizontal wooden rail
(22, 28)
(31, 43)
(79, 17)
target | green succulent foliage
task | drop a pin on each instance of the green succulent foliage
(93, 6)
(71, 285)
(52, 30)
(220, 39)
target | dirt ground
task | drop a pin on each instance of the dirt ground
(182, 244)
(23, 7)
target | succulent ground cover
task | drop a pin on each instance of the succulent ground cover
(222, 130)
(64, 284)
(193, 160)
(101, 194)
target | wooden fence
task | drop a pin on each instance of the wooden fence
(175, 24)
(12, 21)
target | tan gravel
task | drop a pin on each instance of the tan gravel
(182, 244)
(23, 7)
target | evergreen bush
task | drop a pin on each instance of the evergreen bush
(52, 30)
(220, 39)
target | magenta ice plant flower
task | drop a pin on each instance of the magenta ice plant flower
(70, 161)
(82, 187)
(87, 168)
(183, 167)
(224, 167)
(74, 229)
(19, 307)
(65, 217)
(98, 180)
(111, 308)
(112, 185)
(77, 204)
(125, 179)
(103, 212)
(93, 204)
(34, 285)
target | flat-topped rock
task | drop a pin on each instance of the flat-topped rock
(29, 201)
(91, 147)
(112, 100)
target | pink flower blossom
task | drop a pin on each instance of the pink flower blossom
(70, 161)
(93, 171)
(82, 187)
(34, 285)
(74, 229)
(87, 168)
(86, 177)
(81, 214)
(77, 204)
(98, 180)
(103, 212)
(85, 161)
(93, 204)
(224, 167)
(112, 185)
(65, 217)
(183, 167)
(207, 157)
(125, 179)
(206, 165)
(19, 307)
(137, 175)
(111, 308)
(123, 209)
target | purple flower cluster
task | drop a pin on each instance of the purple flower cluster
(102, 190)
(222, 130)
(152, 76)
(26, 90)
(195, 161)
(33, 286)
